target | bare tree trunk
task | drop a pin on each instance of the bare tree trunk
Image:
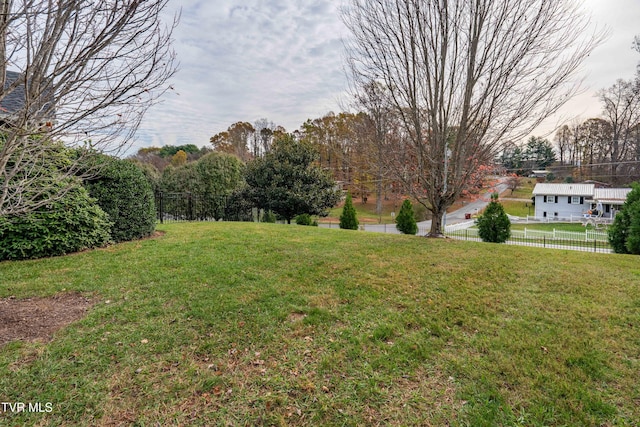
(436, 223)
(5, 8)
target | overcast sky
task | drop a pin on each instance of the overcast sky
(283, 60)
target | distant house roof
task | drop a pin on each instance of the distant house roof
(563, 189)
(611, 196)
(598, 184)
(14, 101)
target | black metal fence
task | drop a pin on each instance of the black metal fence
(172, 207)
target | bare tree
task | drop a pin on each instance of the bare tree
(465, 75)
(265, 133)
(563, 142)
(73, 73)
(378, 136)
(622, 111)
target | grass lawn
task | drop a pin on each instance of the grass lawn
(559, 226)
(366, 212)
(265, 324)
(524, 190)
(516, 208)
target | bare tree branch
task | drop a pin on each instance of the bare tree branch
(76, 73)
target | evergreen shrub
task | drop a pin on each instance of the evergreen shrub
(406, 221)
(123, 191)
(494, 225)
(71, 224)
(348, 219)
(303, 219)
(624, 233)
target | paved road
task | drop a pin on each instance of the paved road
(454, 217)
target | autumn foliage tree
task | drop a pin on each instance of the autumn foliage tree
(235, 140)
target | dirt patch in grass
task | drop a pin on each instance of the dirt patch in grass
(34, 319)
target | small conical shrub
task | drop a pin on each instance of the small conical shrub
(494, 225)
(406, 221)
(348, 219)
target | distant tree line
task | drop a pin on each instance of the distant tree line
(536, 154)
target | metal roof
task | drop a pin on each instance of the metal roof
(615, 196)
(14, 101)
(564, 189)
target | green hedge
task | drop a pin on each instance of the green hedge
(125, 194)
(70, 224)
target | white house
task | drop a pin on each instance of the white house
(563, 201)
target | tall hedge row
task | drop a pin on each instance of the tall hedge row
(125, 194)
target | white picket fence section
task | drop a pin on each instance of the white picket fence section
(458, 226)
(587, 236)
(572, 219)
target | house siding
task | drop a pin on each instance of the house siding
(560, 208)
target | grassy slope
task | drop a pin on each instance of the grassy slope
(245, 324)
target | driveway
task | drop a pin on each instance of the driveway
(454, 217)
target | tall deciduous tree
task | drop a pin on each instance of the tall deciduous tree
(563, 142)
(74, 71)
(463, 75)
(265, 132)
(378, 127)
(235, 140)
(287, 181)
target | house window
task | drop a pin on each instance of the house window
(550, 199)
(576, 200)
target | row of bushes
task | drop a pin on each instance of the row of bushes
(115, 204)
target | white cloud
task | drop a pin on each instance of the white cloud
(283, 60)
(279, 59)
